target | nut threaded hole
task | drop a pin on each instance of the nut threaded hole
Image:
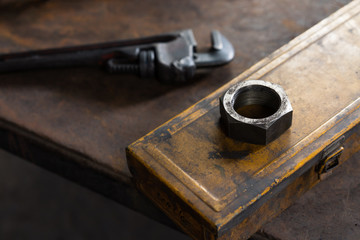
(256, 101)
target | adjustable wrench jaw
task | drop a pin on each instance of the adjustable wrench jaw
(178, 60)
(221, 52)
(175, 60)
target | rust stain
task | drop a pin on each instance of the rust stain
(293, 26)
(13, 37)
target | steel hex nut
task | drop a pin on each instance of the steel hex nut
(255, 111)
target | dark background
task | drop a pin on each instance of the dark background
(37, 204)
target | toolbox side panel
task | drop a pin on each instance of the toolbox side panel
(190, 221)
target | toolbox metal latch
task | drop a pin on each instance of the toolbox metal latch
(330, 158)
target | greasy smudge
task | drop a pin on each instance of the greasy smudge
(228, 155)
(221, 169)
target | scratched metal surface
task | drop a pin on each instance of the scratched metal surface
(94, 115)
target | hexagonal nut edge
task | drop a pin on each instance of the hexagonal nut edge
(256, 131)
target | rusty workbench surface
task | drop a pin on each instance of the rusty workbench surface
(77, 122)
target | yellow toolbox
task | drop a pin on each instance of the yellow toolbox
(215, 187)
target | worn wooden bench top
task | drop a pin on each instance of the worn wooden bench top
(77, 122)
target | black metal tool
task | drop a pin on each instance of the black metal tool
(171, 57)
